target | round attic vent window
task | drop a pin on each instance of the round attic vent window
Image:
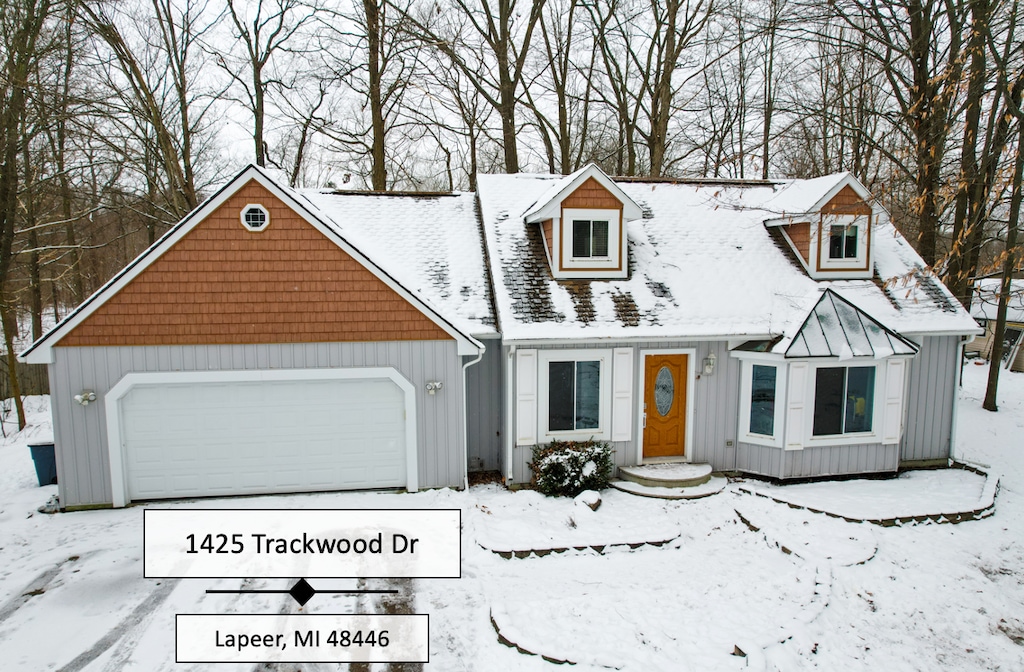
(255, 217)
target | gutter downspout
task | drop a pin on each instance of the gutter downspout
(465, 417)
(510, 438)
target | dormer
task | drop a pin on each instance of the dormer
(583, 219)
(828, 223)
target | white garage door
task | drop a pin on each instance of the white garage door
(201, 439)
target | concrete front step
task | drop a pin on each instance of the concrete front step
(667, 474)
(711, 487)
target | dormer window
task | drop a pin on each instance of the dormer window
(589, 238)
(582, 219)
(843, 242)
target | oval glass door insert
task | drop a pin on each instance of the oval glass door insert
(664, 391)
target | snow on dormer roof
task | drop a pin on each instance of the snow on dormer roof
(547, 204)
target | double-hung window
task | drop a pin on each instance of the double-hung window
(844, 400)
(589, 238)
(762, 400)
(843, 242)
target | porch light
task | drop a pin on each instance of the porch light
(709, 364)
(433, 386)
(85, 397)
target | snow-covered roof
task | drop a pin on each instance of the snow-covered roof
(986, 300)
(795, 197)
(702, 264)
(431, 243)
(837, 328)
(546, 204)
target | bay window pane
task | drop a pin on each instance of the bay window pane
(860, 398)
(600, 234)
(580, 238)
(828, 401)
(561, 401)
(762, 401)
(588, 393)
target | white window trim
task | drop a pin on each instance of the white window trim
(603, 429)
(746, 387)
(247, 208)
(570, 262)
(641, 392)
(862, 222)
(877, 412)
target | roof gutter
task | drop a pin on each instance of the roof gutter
(607, 340)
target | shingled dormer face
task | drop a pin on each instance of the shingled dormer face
(833, 239)
(583, 218)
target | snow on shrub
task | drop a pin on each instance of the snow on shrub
(567, 468)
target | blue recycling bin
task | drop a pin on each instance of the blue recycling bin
(46, 463)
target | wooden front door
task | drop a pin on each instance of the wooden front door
(665, 405)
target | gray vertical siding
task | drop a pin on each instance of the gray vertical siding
(81, 434)
(817, 461)
(931, 394)
(485, 394)
(715, 399)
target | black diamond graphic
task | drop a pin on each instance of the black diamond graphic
(302, 592)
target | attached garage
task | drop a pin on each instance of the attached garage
(194, 434)
(254, 350)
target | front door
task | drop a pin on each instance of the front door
(665, 405)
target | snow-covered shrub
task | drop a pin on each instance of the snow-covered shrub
(567, 468)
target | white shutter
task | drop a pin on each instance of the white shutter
(622, 394)
(526, 397)
(796, 405)
(892, 422)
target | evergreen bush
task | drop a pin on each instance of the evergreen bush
(567, 468)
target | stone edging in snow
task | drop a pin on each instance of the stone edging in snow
(541, 552)
(986, 505)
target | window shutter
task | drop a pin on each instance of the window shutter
(622, 394)
(892, 424)
(526, 397)
(796, 406)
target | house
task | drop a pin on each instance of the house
(278, 340)
(984, 307)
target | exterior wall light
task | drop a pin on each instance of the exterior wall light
(86, 397)
(709, 364)
(433, 386)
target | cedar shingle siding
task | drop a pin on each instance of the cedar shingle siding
(223, 284)
(800, 234)
(847, 202)
(591, 194)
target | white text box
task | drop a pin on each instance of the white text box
(301, 638)
(302, 543)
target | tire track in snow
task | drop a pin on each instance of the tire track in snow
(140, 613)
(38, 586)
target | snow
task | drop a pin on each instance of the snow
(792, 589)
(703, 266)
(914, 493)
(986, 300)
(431, 244)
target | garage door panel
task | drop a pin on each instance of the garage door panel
(268, 436)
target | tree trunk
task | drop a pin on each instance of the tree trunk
(378, 172)
(1009, 266)
(10, 326)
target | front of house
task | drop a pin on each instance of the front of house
(286, 341)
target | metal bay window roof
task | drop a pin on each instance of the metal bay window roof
(837, 328)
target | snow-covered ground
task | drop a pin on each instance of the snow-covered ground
(793, 590)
